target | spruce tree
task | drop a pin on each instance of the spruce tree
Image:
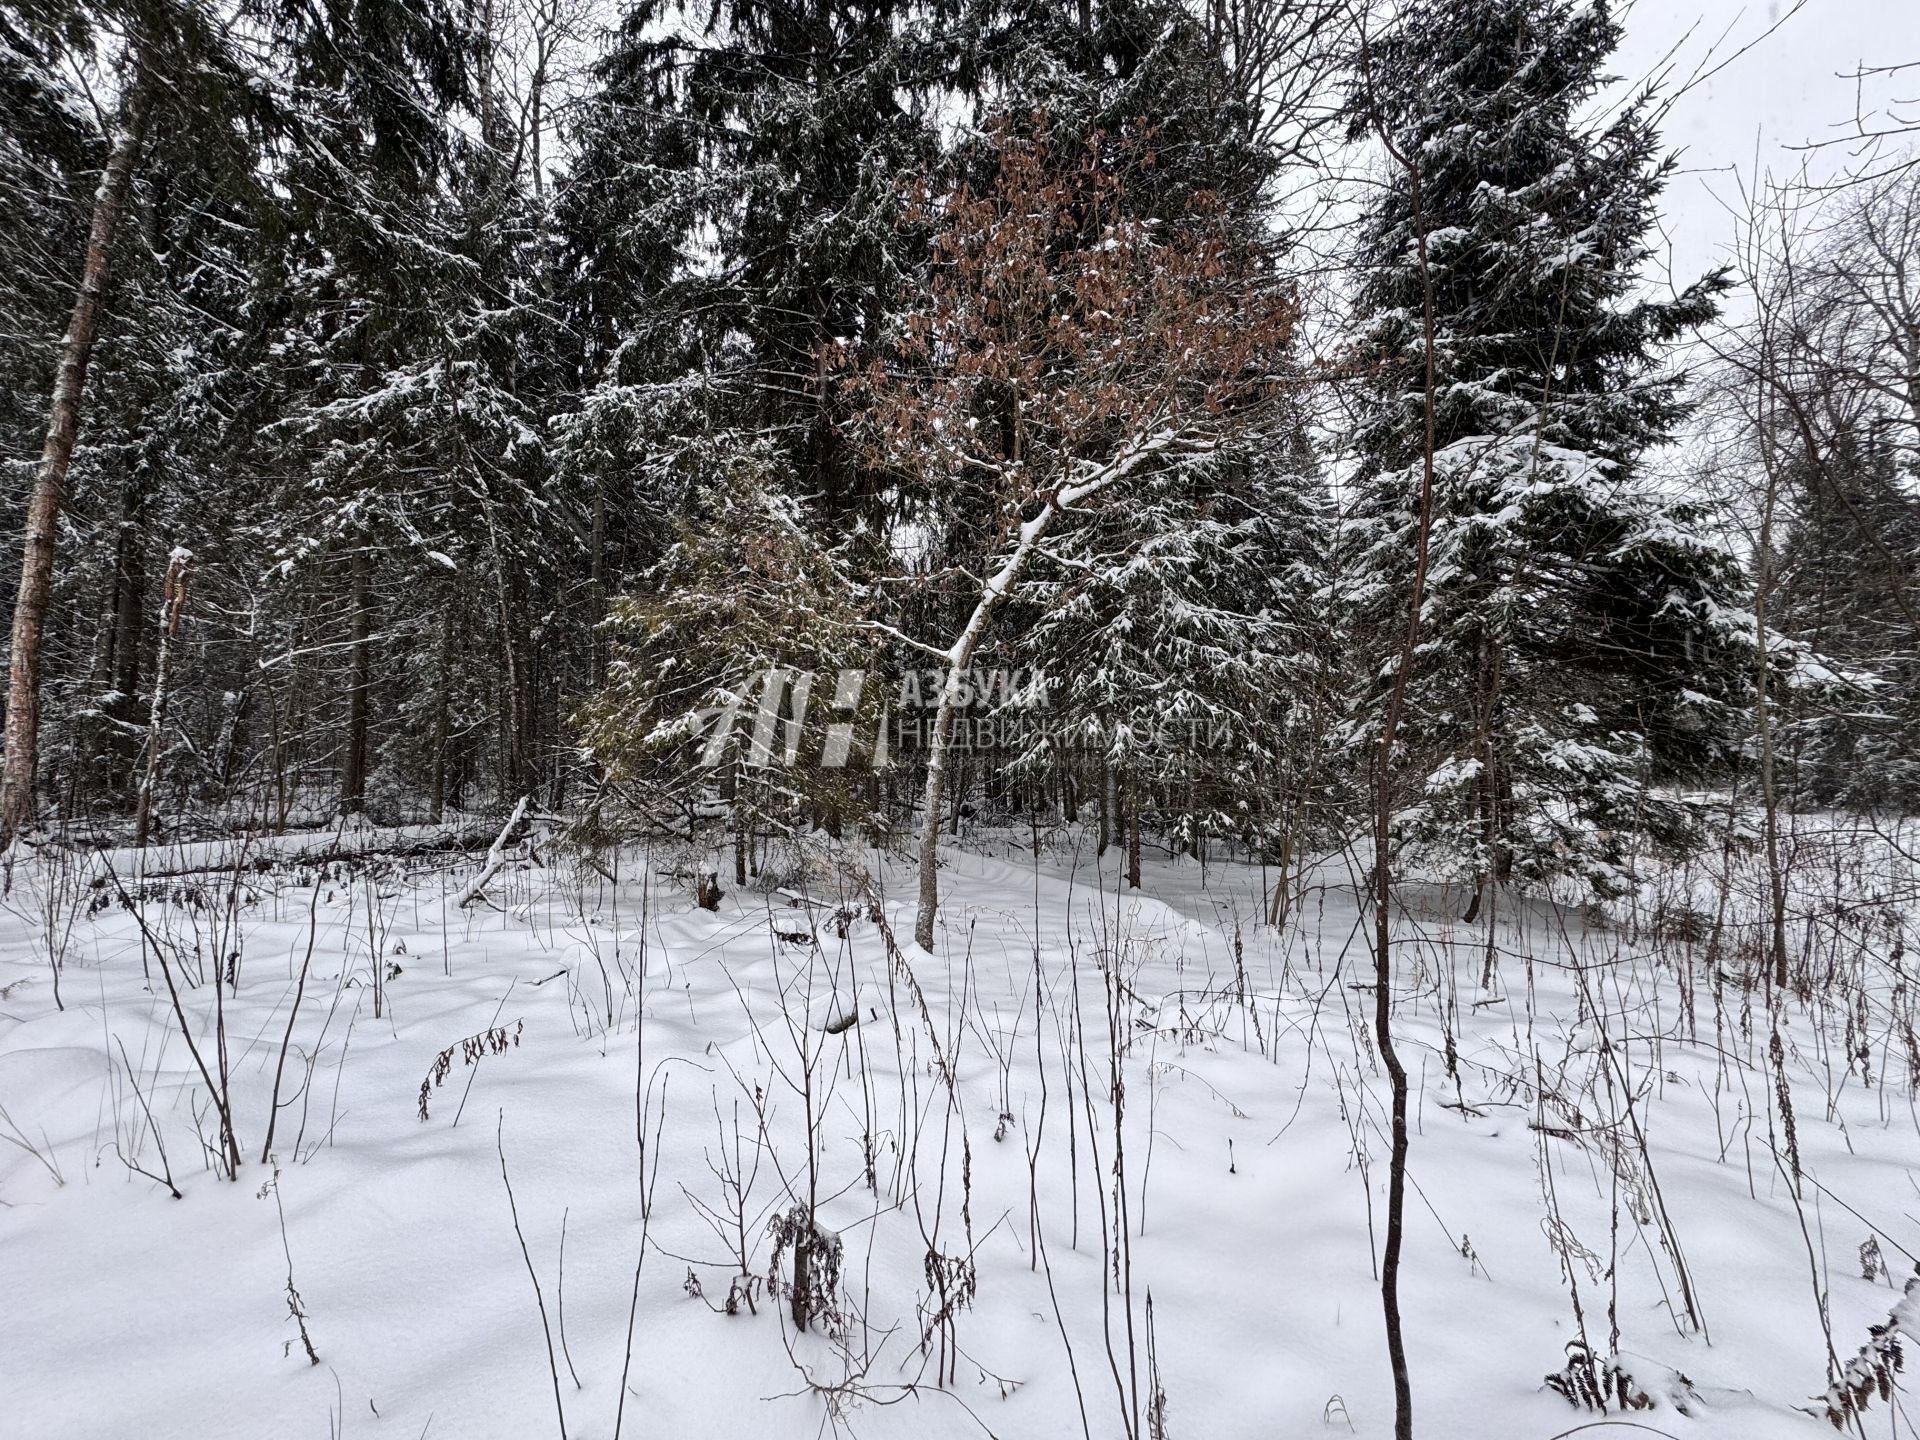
(417, 512)
(1581, 641)
(734, 224)
(1179, 642)
(1847, 565)
(742, 163)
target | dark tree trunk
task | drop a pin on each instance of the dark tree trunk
(1108, 805)
(596, 578)
(517, 715)
(130, 601)
(1133, 835)
(109, 751)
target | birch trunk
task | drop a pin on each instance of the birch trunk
(174, 597)
(442, 717)
(353, 778)
(939, 745)
(960, 655)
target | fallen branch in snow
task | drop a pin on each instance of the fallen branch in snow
(496, 857)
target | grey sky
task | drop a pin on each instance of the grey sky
(1784, 92)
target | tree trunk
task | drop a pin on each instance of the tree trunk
(442, 713)
(518, 700)
(1493, 867)
(174, 597)
(741, 816)
(353, 777)
(115, 681)
(280, 726)
(596, 574)
(1777, 970)
(933, 805)
(1282, 897)
(17, 771)
(130, 597)
(960, 656)
(527, 707)
(1109, 804)
(958, 795)
(1133, 834)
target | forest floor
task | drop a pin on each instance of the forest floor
(1604, 1138)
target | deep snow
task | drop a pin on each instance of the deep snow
(1253, 1141)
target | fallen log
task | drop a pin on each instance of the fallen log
(496, 857)
(257, 854)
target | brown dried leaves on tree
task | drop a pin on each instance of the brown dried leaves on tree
(1063, 322)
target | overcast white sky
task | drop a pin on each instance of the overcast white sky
(1784, 92)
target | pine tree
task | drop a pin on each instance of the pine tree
(1582, 640)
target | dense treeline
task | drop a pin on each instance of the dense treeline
(484, 400)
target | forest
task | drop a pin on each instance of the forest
(1266, 763)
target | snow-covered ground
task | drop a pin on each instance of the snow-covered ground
(1598, 1129)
